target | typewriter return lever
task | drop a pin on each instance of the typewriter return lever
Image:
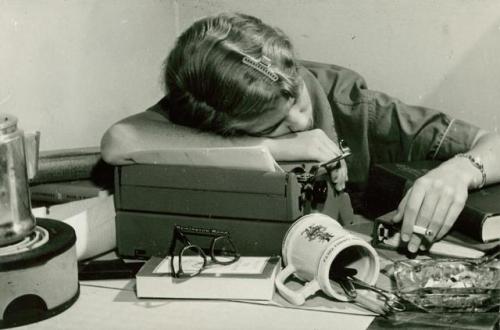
(315, 182)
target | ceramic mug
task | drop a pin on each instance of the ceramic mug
(316, 245)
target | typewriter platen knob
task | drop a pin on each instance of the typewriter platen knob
(319, 192)
(313, 194)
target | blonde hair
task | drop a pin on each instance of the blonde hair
(210, 88)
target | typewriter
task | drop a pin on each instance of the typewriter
(255, 206)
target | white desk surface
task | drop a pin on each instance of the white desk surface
(113, 305)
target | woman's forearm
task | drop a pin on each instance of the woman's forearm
(485, 148)
(148, 131)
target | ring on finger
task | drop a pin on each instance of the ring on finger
(419, 230)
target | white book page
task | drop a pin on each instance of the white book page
(245, 265)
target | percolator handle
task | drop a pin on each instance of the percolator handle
(31, 147)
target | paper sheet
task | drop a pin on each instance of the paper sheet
(254, 158)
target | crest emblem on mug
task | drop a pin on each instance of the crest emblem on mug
(317, 232)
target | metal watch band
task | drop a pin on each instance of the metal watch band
(477, 163)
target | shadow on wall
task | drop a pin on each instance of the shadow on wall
(471, 89)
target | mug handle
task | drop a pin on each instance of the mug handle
(295, 297)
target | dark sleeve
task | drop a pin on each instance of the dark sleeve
(380, 129)
(389, 130)
(422, 133)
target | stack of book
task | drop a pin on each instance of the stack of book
(70, 175)
(66, 191)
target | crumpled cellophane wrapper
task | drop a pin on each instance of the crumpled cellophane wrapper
(449, 285)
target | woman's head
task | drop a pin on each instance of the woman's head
(212, 88)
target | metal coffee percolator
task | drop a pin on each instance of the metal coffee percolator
(16, 219)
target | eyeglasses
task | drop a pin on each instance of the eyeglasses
(192, 259)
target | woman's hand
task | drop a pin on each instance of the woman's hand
(312, 145)
(434, 202)
(437, 198)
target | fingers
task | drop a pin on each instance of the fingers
(315, 145)
(451, 216)
(323, 149)
(337, 170)
(329, 151)
(307, 145)
(440, 213)
(415, 199)
(327, 148)
(428, 211)
(422, 220)
(339, 176)
(344, 174)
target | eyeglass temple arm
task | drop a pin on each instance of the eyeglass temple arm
(202, 231)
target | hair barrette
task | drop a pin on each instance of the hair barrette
(263, 66)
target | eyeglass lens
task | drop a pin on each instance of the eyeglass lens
(189, 262)
(223, 250)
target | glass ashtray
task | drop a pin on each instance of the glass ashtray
(449, 285)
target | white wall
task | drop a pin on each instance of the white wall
(72, 68)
